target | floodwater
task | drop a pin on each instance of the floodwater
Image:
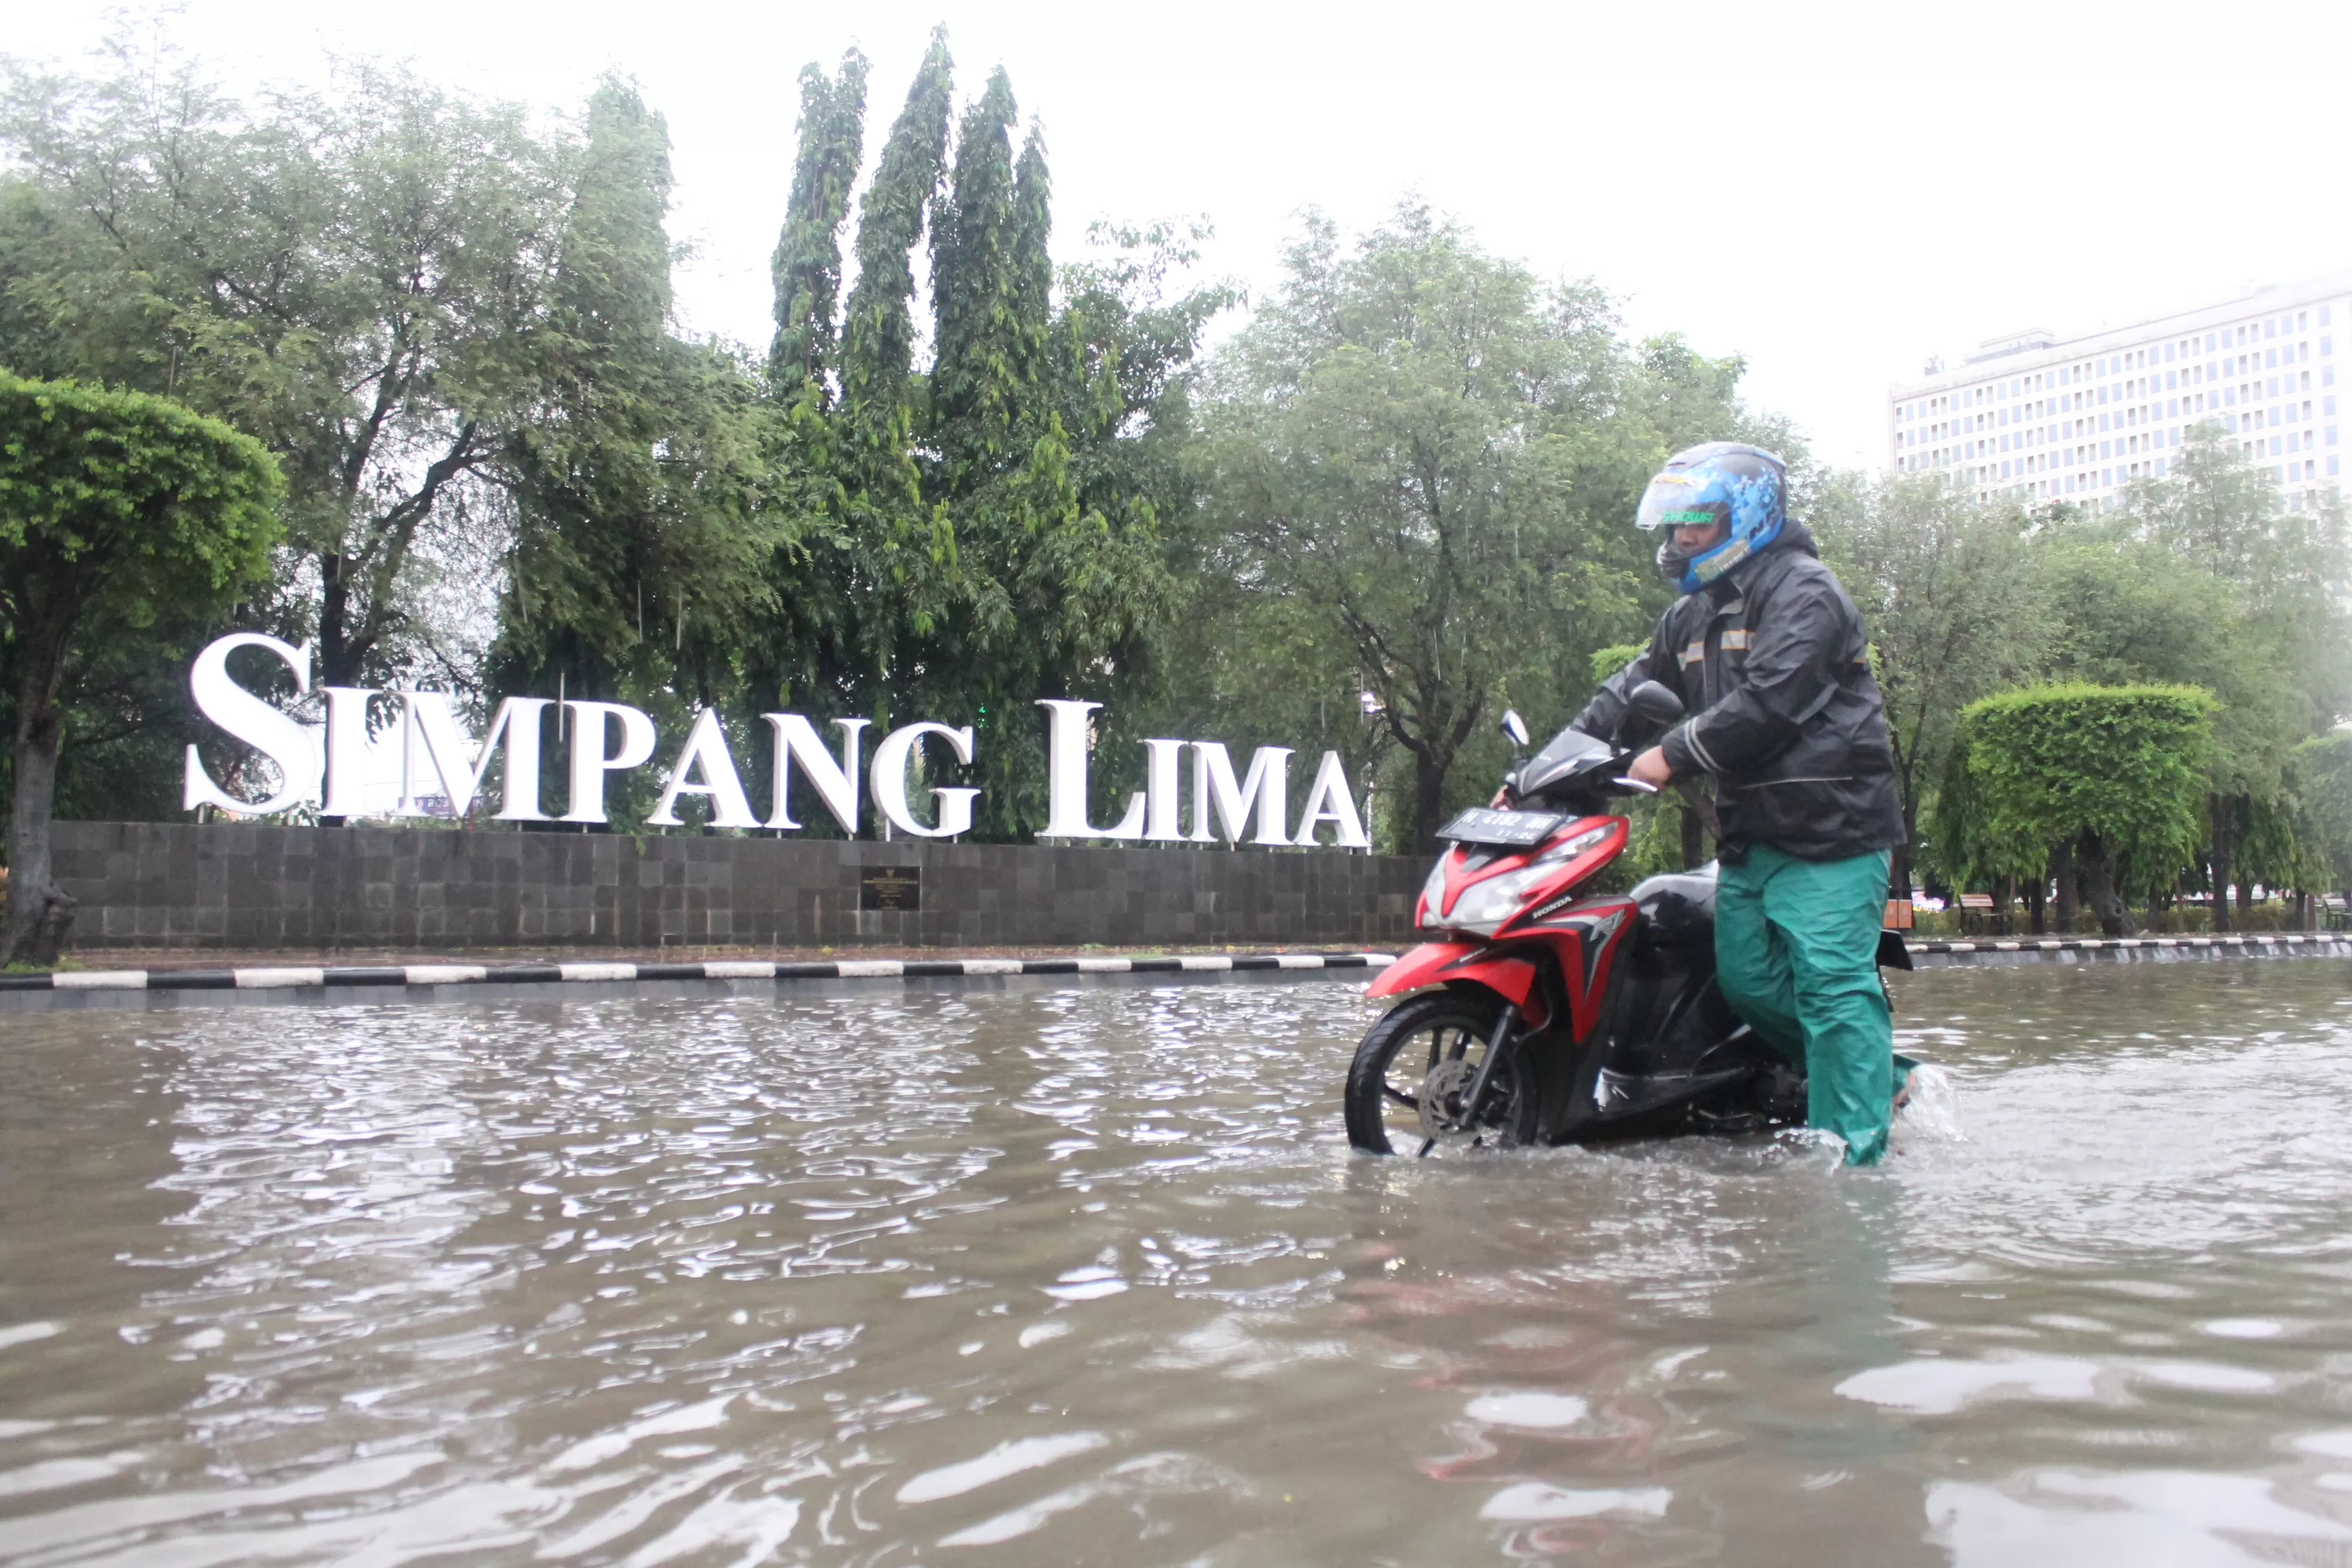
(1090, 1277)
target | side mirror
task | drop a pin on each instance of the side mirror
(1515, 728)
(1655, 703)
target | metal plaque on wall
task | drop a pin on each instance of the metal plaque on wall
(897, 887)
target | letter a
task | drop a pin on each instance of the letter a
(1329, 801)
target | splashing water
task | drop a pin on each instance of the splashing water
(1931, 1113)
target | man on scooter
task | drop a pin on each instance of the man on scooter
(1770, 659)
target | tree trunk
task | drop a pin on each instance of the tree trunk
(1694, 840)
(2061, 871)
(2245, 901)
(1899, 872)
(30, 933)
(337, 667)
(2099, 887)
(2221, 863)
(1428, 799)
(2037, 904)
(2005, 894)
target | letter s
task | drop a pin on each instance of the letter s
(278, 736)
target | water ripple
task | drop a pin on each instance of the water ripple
(1090, 1276)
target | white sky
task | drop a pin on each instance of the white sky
(1833, 191)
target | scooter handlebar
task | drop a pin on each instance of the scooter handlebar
(1602, 775)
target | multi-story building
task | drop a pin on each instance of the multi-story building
(2040, 418)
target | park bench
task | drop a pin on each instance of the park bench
(1976, 910)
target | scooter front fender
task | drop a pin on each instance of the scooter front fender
(1446, 963)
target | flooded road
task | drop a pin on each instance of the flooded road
(1090, 1277)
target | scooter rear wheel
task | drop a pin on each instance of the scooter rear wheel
(1415, 1070)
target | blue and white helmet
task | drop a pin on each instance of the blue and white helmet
(1721, 481)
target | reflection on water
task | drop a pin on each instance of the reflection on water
(1090, 1277)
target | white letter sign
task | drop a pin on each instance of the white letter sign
(1268, 785)
(591, 761)
(1329, 801)
(427, 716)
(706, 746)
(837, 783)
(430, 743)
(1065, 776)
(891, 760)
(275, 735)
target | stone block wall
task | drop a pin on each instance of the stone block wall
(236, 886)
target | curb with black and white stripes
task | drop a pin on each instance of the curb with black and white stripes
(2256, 944)
(444, 982)
(450, 981)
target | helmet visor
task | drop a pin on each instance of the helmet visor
(1673, 501)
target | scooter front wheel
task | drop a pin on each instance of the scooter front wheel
(1409, 1085)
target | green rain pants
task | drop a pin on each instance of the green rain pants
(1796, 946)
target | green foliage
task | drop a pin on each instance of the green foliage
(2123, 766)
(1955, 601)
(878, 332)
(1608, 661)
(807, 263)
(639, 562)
(1425, 459)
(965, 538)
(989, 318)
(2203, 578)
(133, 499)
(2320, 773)
(1395, 503)
(115, 508)
(350, 276)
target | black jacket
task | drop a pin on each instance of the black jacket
(1773, 663)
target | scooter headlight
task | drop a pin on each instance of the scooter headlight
(1485, 906)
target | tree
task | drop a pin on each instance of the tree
(347, 275)
(1954, 601)
(2320, 773)
(989, 315)
(2202, 578)
(878, 332)
(638, 564)
(863, 563)
(970, 535)
(807, 264)
(110, 502)
(1435, 457)
(2116, 772)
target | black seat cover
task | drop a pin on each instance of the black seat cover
(1679, 906)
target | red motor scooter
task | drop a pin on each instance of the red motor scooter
(1542, 1014)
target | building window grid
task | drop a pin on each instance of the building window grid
(2114, 382)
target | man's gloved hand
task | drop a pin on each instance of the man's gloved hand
(1650, 768)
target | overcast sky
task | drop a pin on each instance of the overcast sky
(1833, 192)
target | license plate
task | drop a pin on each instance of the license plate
(1483, 824)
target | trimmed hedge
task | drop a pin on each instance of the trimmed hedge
(2123, 764)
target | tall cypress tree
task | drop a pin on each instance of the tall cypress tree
(1033, 261)
(634, 559)
(879, 335)
(985, 534)
(867, 560)
(985, 350)
(807, 263)
(585, 469)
